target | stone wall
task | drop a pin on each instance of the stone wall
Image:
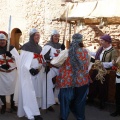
(39, 14)
(27, 14)
(16, 10)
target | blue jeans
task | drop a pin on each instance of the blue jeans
(73, 99)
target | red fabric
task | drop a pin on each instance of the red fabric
(5, 60)
(56, 54)
(39, 57)
(114, 68)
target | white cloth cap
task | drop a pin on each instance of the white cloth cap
(2, 37)
(32, 31)
(54, 32)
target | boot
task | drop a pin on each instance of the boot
(3, 109)
(13, 107)
(102, 105)
(114, 114)
(61, 119)
(3, 99)
(90, 101)
(38, 117)
(51, 109)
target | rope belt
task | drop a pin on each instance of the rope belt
(7, 71)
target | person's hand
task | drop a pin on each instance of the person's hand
(8, 54)
(47, 69)
(5, 66)
(62, 47)
(33, 71)
(92, 60)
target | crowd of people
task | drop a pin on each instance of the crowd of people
(30, 78)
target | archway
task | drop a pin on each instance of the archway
(15, 37)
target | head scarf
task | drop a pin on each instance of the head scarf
(74, 60)
(51, 43)
(31, 46)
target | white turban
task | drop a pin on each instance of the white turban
(54, 32)
(32, 31)
(2, 37)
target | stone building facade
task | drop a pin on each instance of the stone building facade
(27, 14)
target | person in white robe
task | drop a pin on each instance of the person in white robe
(8, 72)
(49, 51)
(29, 100)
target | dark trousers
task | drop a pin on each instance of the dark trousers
(98, 89)
(3, 99)
(118, 97)
(73, 99)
